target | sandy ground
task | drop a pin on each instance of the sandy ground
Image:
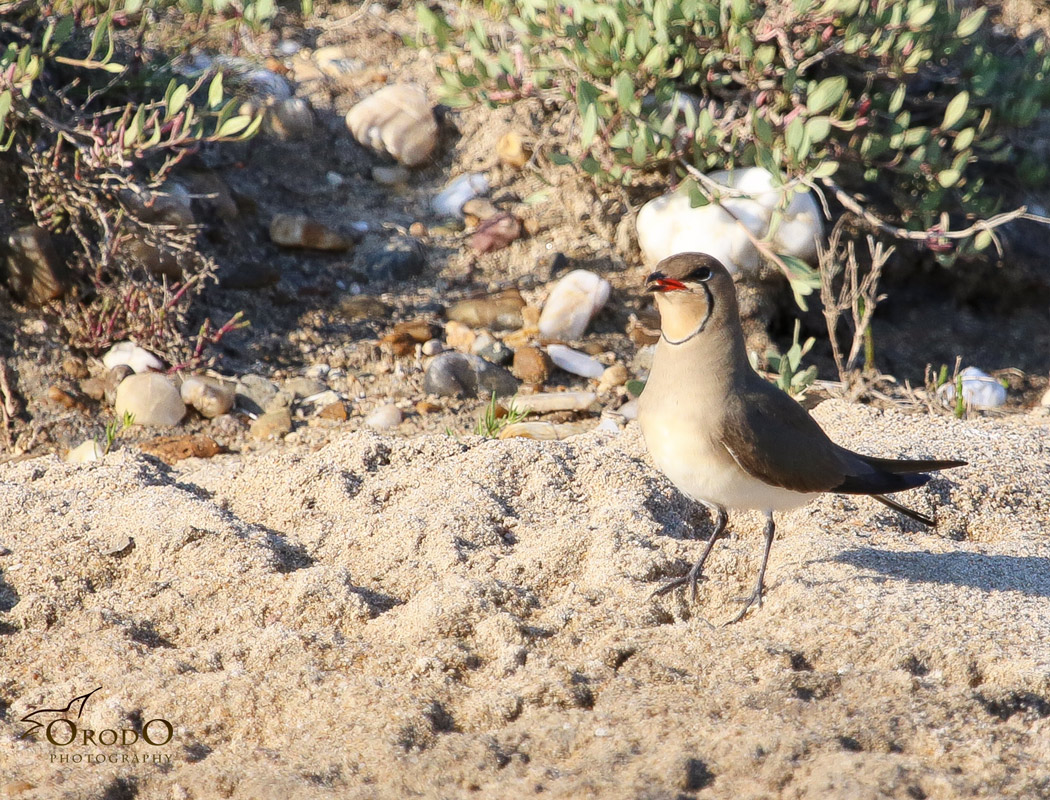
(392, 618)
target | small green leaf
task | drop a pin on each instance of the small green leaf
(963, 140)
(215, 91)
(635, 388)
(590, 125)
(982, 240)
(955, 110)
(826, 93)
(897, 99)
(818, 128)
(825, 169)
(233, 126)
(177, 100)
(948, 177)
(623, 87)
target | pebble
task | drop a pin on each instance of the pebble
(449, 201)
(426, 407)
(56, 394)
(156, 260)
(364, 307)
(301, 387)
(498, 312)
(95, 388)
(272, 425)
(152, 398)
(432, 347)
(479, 209)
(496, 232)
(171, 449)
(463, 375)
(511, 151)
(573, 302)
(171, 204)
(254, 393)
(231, 426)
(642, 362)
(74, 367)
(334, 61)
(612, 377)
(459, 336)
(531, 365)
(418, 229)
(317, 371)
(545, 431)
(396, 259)
(334, 411)
(35, 274)
(574, 361)
(492, 349)
(217, 199)
(980, 389)
(669, 224)
(132, 355)
(390, 176)
(384, 418)
(404, 337)
(113, 379)
(297, 230)
(290, 119)
(212, 398)
(629, 410)
(548, 402)
(396, 120)
(85, 452)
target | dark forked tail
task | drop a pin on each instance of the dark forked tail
(915, 515)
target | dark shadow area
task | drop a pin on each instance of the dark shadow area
(1029, 575)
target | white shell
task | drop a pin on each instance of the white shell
(573, 302)
(84, 452)
(980, 389)
(574, 361)
(384, 418)
(669, 225)
(546, 402)
(449, 201)
(209, 397)
(134, 356)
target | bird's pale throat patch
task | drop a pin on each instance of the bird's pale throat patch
(681, 316)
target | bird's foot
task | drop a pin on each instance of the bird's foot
(754, 601)
(691, 578)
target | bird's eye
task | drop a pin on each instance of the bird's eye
(700, 274)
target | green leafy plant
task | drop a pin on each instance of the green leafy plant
(492, 421)
(115, 428)
(915, 102)
(787, 366)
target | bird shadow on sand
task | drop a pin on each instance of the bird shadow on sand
(1029, 575)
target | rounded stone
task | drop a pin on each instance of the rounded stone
(573, 302)
(385, 418)
(151, 399)
(531, 365)
(465, 375)
(396, 120)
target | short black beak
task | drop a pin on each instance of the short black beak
(658, 282)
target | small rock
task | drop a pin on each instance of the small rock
(254, 393)
(303, 387)
(479, 209)
(449, 201)
(118, 545)
(171, 204)
(426, 407)
(531, 365)
(334, 411)
(547, 402)
(492, 350)
(290, 119)
(629, 410)
(364, 307)
(155, 259)
(74, 367)
(390, 176)
(419, 330)
(210, 397)
(546, 431)
(574, 361)
(15, 788)
(499, 312)
(151, 398)
(642, 362)
(384, 418)
(669, 224)
(463, 375)
(296, 230)
(397, 259)
(459, 336)
(113, 379)
(432, 347)
(170, 449)
(613, 376)
(317, 371)
(511, 151)
(573, 302)
(272, 425)
(979, 389)
(129, 353)
(417, 229)
(209, 189)
(496, 232)
(230, 426)
(85, 452)
(396, 120)
(521, 337)
(56, 394)
(95, 388)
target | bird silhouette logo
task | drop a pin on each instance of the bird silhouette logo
(42, 717)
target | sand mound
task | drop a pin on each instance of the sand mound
(392, 618)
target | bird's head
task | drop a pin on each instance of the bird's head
(694, 293)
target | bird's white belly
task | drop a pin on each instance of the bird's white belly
(706, 472)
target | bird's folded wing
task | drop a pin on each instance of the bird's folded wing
(773, 439)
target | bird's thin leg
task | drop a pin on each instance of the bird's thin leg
(756, 596)
(693, 576)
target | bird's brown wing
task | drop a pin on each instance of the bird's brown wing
(775, 440)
